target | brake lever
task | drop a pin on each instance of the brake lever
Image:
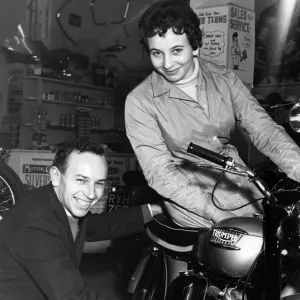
(227, 170)
(251, 177)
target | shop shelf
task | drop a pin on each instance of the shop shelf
(71, 103)
(58, 127)
(66, 82)
(31, 98)
(78, 104)
(36, 87)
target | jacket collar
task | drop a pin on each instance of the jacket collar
(161, 86)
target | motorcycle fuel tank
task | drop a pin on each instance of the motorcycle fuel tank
(232, 246)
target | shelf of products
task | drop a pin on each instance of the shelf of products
(71, 103)
(58, 127)
(71, 83)
(54, 110)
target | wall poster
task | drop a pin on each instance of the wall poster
(228, 38)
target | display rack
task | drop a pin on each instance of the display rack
(46, 100)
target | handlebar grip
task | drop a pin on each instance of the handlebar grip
(207, 154)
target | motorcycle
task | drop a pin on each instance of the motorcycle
(11, 186)
(243, 258)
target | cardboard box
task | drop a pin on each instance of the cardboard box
(228, 38)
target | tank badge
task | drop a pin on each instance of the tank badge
(226, 237)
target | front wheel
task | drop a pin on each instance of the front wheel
(11, 188)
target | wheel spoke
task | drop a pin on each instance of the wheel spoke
(7, 198)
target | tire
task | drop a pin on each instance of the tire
(11, 188)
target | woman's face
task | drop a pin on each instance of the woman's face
(172, 55)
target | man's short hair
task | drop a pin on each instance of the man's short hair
(163, 15)
(78, 145)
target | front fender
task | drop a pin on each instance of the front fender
(190, 287)
(149, 277)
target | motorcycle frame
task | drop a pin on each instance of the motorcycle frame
(273, 216)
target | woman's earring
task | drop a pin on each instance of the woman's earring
(196, 53)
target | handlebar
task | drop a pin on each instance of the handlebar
(228, 163)
(224, 161)
(283, 104)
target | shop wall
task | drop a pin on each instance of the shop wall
(11, 14)
(133, 62)
(89, 38)
(261, 5)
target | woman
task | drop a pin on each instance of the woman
(187, 99)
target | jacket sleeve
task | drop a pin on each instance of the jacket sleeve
(117, 223)
(269, 137)
(157, 162)
(41, 250)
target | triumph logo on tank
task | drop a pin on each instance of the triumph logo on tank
(225, 237)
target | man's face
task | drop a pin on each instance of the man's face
(82, 185)
(171, 55)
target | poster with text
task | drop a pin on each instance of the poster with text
(241, 43)
(228, 38)
(214, 26)
(117, 166)
(35, 169)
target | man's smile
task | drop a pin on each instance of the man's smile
(83, 203)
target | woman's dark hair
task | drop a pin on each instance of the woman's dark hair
(162, 15)
(79, 145)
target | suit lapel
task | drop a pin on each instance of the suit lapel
(80, 239)
(62, 217)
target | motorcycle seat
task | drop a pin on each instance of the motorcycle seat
(164, 232)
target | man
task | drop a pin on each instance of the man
(41, 238)
(187, 99)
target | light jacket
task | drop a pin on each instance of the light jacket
(161, 121)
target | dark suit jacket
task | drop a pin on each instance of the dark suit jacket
(38, 256)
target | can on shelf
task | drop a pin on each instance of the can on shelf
(68, 121)
(73, 121)
(62, 121)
